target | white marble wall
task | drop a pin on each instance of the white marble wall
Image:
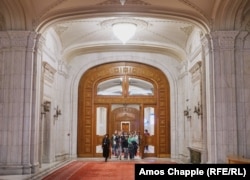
(55, 143)
(198, 132)
(226, 108)
(19, 103)
(242, 58)
(223, 129)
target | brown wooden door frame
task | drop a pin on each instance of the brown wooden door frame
(87, 99)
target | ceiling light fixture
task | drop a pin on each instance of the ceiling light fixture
(124, 28)
(122, 2)
(124, 31)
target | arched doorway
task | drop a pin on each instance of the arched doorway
(123, 108)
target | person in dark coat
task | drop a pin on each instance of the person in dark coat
(125, 146)
(105, 147)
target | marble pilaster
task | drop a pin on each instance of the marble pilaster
(223, 127)
(19, 119)
(243, 92)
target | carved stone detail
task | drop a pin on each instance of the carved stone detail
(18, 39)
(40, 43)
(187, 30)
(49, 72)
(224, 39)
(196, 72)
(63, 69)
(241, 39)
(4, 40)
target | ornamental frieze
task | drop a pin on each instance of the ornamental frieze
(134, 100)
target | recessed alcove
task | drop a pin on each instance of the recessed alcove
(195, 156)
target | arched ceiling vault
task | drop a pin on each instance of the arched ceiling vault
(166, 25)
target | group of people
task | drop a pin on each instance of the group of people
(125, 144)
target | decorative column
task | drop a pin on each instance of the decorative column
(242, 58)
(221, 112)
(19, 102)
(206, 81)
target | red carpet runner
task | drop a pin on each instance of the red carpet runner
(99, 170)
(79, 170)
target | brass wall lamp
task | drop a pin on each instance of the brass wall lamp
(186, 113)
(197, 109)
(45, 107)
(58, 112)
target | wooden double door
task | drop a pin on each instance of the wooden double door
(112, 98)
(131, 119)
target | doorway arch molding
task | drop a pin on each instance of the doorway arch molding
(79, 67)
(86, 142)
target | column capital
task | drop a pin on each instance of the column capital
(224, 39)
(18, 39)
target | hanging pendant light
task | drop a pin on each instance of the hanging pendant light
(124, 31)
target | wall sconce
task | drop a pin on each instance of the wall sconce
(58, 112)
(186, 112)
(46, 107)
(197, 109)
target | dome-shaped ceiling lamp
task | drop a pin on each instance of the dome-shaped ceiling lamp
(124, 31)
(122, 2)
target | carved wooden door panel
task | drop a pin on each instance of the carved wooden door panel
(125, 75)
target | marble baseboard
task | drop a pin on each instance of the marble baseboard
(18, 169)
(14, 170)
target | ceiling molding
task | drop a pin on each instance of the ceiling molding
(128, 2)
(196, 8)
(176, 54)
(95, 12)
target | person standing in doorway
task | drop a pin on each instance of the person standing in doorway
(113, 143)
(125, 146)
(146, 134)
(131, 146)
(105, 147)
